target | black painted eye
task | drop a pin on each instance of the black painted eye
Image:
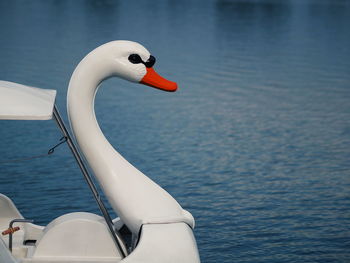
(135, 59)
(150, 62)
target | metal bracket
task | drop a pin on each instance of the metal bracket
(12, 229)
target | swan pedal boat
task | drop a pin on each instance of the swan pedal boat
(156, 227)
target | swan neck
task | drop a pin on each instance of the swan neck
(135, 198)
(81, 96)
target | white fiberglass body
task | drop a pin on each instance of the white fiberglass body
(161, 226)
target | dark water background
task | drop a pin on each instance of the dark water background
(256, 142)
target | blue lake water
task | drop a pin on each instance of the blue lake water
(255, 143)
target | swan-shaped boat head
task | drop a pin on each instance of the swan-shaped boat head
(162, 226)
(133, 196)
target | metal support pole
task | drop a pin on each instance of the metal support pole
(115, 233)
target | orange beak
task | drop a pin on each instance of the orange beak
(156, 81)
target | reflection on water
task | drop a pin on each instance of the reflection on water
(256, 142)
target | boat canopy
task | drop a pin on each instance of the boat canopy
(20, 102)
